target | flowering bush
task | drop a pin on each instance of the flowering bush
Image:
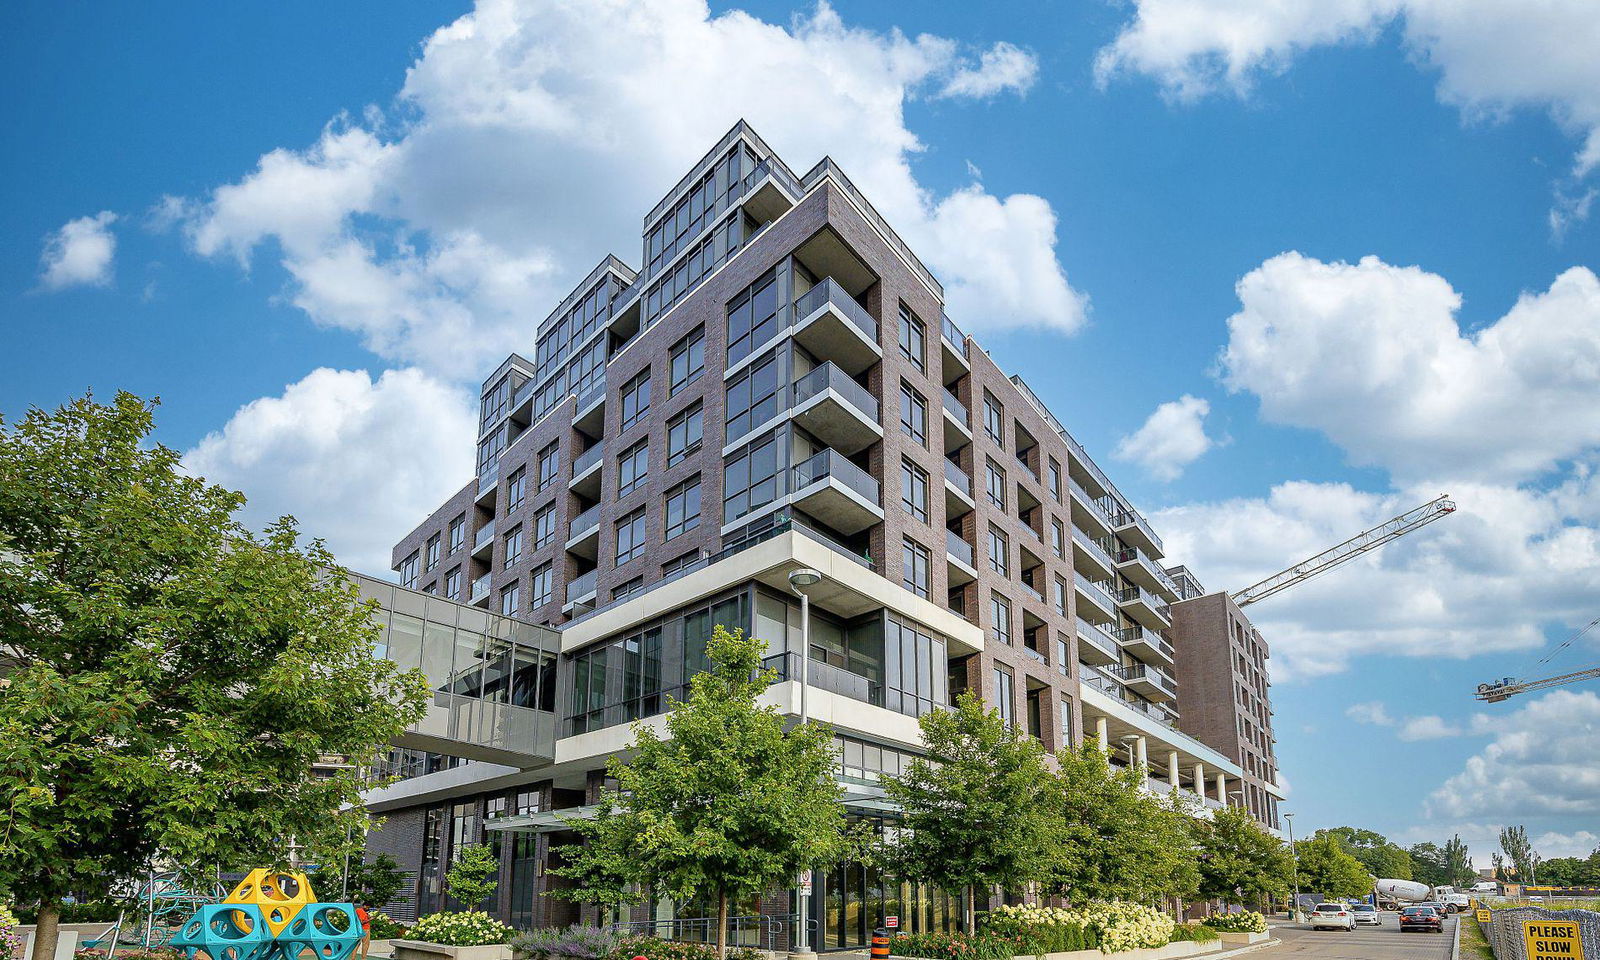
(1113, 927)
(1246, 921)
(10, 939)
(577, 942)
(471, 928)
(953, 946)
(127, 953)
(654, 948)
(1040, 930)
(384, 927)
(1198, 932)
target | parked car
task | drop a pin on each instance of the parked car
(1421, 918)
(1367, 913)
(1333, 916)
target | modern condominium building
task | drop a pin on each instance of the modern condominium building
(778, 387)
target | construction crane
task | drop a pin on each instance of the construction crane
(1509, 687)
(1357, 545)
(1497, 690)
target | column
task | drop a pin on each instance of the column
(1104, 734)
(1144, 759)
(1200, 780)
(1172, 768)
(1222, 788)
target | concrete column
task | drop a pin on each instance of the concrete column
(1172, 768)
(1144, 758)
(1222, 788)
(1103, 732)
(1200, 780)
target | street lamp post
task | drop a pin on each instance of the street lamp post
(799, 581)
(1294, 858)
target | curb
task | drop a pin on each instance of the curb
(1242, 950)
(1455, 942)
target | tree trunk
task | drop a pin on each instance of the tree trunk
(722, 924)
(972, 909)
(48, 931)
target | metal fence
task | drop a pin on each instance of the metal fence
(1504, 930)
(760, 931)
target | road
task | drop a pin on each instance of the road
(1366, 943)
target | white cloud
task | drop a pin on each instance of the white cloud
(1428, 727)
(1543, 761)
(1488, 578)
(515, 164)
(1171, 438)
(80, 253)
(1003, 67)
(358, 462)
(1372, 712)
(1372, 355)
(1491, 56)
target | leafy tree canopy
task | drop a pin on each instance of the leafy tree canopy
(979, 810)
(1376, 853)
(472, 878)
(730, 804)
(1327, 870)
(172, 676)
(1239, 859)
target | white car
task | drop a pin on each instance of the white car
(1333, 916)
(1367, 913)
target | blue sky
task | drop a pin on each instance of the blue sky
(310, 231)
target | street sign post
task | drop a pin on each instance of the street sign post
(1552, 940)
(1482, 914)
(805, 882)
(891, 922)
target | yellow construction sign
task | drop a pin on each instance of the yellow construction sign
(1552, 939)
(1482, 914)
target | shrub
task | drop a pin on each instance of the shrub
(953, 946)
(10, 939)
(577, 942)
(1246, 921)
(87, 911)
(654, 948)
(384, 927)
(1040, 930)
(127, 953)
(1198, 932)
(471, 928)
(1113, 927)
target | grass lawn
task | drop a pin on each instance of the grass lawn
(1473, 944)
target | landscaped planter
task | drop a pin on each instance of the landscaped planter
(1183, 948)
(423, 950)
(1240, 938)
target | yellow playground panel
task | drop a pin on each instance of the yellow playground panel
(279, 894)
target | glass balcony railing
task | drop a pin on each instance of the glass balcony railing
(1090, 546)
(588, 458)
(958, 477)
(584, 522)
(1137, 594)
(1098, 638)
(958, 548)
(1143, 672)
(1132, 518)
(1032, 592)
(829, 377)
(766, 168)
(1096, 504)
(480, 588)
(1093, 677)
(488, 476)
(832, 463)
(1146, 636)
(589, 396)
(825, 676)
(953, 334)
(1135, 555)
(957, 408)
(827, 292)
(1095, 590)
(483, 537)
(581, 587)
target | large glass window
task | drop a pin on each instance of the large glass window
(516, 489)
(913, 414)
(508, 599)
(683, 507)
(544, 526)
(914, 490)
(1058, 538)
(513, 551)
(633, 467)
(752, 317)
(1055, 479)
(1059, 596)
(408, 572)
(432, 553)
(549, 463)
(684, 433)
(1005, 693)
(452, 584)
(539, 586)
(494, 403)
(458, 532)
(630, 537)
(1000, 613)
(999, 552)
(913, 337)
(750, 480)
(635, 398)
(994, 417)
(915, 568)
(688, 360)
(994, 484)
(753, 396)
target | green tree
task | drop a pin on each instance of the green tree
(977, 811)
(1239, 860)
(376, 881)
(1519, 850)
(174, 676)
(1562, 871)
(1376, 853)
(473, 875)
(1428, 864)
(1457, 863)
(1326, 869)
(1118, 840)
(730, 806)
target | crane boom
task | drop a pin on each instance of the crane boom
(1510, 687)
(1363, 542)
